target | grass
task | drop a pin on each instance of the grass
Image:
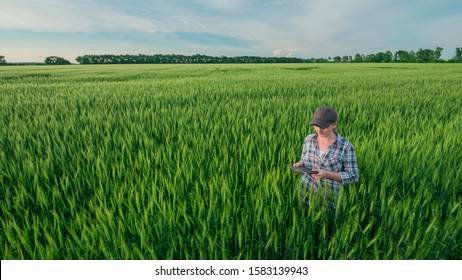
(189, 162)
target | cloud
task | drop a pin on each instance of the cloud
(72, 16)
(283, 53)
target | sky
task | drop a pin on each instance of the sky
(31, 30)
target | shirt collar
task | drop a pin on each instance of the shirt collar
(338, 140)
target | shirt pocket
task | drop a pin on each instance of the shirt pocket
(336, 162)
(310, 160)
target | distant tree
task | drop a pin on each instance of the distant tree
(388, 56)
(55, 60)
(2, 59)
(358, 58)
(337, 59)
(437, 54)
(380, 57)
(371, 58)
(402, 56)
(425, 55)
(458, 55)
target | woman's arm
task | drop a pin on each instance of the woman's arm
(348, 175)
(326, 174)
(350, 172)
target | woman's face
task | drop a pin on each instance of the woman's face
(325, 131)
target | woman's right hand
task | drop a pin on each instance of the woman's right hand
(298, 164)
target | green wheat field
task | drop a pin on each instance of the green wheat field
(190, 162)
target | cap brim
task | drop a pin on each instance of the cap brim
(321, 124)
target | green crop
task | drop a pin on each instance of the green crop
(189, 162)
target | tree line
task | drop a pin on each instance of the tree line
(420, 56)
(401, 56)
(180, 59)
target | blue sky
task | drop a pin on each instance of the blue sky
(31, 30)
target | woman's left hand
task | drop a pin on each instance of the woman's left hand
(326, 174)
(321, 174)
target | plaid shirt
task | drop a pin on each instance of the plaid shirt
(339, 158)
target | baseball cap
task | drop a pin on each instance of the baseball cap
(324, 116)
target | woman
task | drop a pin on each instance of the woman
(327, 153)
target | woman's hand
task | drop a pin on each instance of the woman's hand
(326, 174)
(321, 173)
(299, 164)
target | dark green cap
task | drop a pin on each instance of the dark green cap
(324, 116)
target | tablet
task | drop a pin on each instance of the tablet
(302, 169)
